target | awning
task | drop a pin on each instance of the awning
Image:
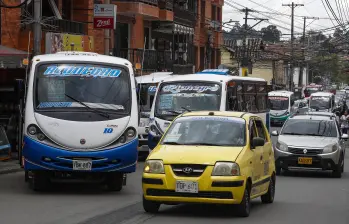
(11, 58)
(169, 27)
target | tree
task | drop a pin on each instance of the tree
(271, 34)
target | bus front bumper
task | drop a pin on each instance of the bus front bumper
(38, 156)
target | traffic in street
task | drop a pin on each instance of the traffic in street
(299, 195)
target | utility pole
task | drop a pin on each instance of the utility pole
(106, 36)
(245, 59)
(37, 26)
(301, 72)
(293, 6)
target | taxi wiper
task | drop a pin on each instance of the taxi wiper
(92, 109)
(291, 133)
(184, 108)
(174, 112)
(200, 143)
(313, 134)
(172, 143)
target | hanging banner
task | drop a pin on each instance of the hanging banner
(56, 42)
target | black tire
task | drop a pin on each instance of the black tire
(278, 170)
(342, 166)
(115, 181)
(40, 181)
(337, 172)
(268, 198)
(244, 207)
(151, 206)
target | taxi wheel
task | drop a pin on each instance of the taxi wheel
(269, 196)
(115, 181)
(245, 205)
(150, 206)
(278, 170)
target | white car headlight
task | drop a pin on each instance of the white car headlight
(281, 146)
(330, 148)
(226, 169)
(154, 166)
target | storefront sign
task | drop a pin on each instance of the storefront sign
(56, 42)
(104, 16)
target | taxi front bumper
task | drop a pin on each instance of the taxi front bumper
(211, 189)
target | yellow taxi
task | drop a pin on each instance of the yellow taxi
(211, 157)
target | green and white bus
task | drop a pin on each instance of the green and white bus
(281, 106)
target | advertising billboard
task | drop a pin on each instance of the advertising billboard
(55, 42)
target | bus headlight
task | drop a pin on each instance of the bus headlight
(41, 136)
(128, 135)
(32, 129)
(131, 133)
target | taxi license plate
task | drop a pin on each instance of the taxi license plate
(305, 160)
(82, 165)
(187, 187)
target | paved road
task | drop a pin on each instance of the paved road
(300, 198)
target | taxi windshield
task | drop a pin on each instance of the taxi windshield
(206, 130)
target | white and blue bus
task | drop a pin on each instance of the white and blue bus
(81, 119)
(146, 89)
(202, 92)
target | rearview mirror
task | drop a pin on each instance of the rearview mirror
(274, 133)
(258, 141)
(345, 136)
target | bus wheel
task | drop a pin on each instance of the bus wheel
(26, 176)
(40, 181)
(115, 181)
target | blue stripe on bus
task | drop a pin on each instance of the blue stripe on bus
(5, 146)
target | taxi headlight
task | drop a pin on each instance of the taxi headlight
(330, 148)
(226, 169)
(154, 166)
(281, 146)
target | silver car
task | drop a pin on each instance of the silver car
(310, 141)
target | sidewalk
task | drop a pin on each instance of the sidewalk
(9, 166)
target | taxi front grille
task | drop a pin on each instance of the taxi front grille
(200, 194)
(188, 170)
(300, 151)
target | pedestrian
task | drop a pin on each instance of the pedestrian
(344, 122)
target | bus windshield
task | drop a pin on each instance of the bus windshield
(320, 102)
(146, 96)
(278, 103)
(79, 86)
(175, 98)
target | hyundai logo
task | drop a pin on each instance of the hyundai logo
(187, 170)
(305, 151)
(82, 141)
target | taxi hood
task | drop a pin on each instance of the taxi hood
(209, 155)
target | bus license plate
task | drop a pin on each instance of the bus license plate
(187, 187)
(305, 160)
(82, 165)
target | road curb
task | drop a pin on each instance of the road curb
(14, 170)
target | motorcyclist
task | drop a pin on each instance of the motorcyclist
(344, 107)
(344, 122)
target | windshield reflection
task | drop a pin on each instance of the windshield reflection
(320, 102)
(310, 127)
(279, 103)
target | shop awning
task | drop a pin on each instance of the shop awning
(11, 58)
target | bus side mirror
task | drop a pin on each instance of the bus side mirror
(156, 139)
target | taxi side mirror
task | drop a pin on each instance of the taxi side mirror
(258, 141)
(274, 133)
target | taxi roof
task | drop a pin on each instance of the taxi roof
(210, 78)
(220, 113)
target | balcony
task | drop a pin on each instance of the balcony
(184, 16)
(65, 26)
(154, 60)
(147, 8)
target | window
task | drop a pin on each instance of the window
(253, 132)
(250, 101)
(213, 13)
(260, 129)
(219, 17)
(261, 103)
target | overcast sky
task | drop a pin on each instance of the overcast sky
(269, 9)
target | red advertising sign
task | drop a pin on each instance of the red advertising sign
(104, 16)
(103, 23)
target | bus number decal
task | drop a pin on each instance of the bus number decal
(108, 131)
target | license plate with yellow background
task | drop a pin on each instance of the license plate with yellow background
(305, 160)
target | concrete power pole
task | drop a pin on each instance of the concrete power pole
(301, 72)
(293, 6)
(106, 36)
(37, 26)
